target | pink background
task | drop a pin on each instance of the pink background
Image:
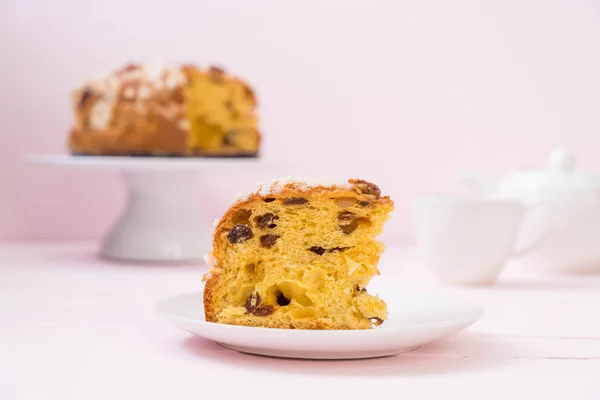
(403, 93)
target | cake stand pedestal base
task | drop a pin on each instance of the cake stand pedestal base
(162, 219)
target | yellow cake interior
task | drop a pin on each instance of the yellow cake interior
(221, 111)
(300, 263)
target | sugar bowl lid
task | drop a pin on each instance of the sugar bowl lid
(558, 182)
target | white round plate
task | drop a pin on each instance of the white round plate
(415, 319)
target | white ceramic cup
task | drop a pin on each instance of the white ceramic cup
(468, 240)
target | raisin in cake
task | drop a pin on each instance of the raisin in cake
(163, 110)
(299, 255)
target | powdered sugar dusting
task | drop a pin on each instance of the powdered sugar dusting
(206, 276)
(209, 259)
(184, 124)
(243, 195)
(276, 186)
(215, 223)
(101, 114)
(132, 82)
(144, 92)
(149, 76)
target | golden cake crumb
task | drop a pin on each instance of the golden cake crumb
(299, 255)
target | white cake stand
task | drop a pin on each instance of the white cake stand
(162, 219)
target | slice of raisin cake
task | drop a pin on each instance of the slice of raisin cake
(299, 255)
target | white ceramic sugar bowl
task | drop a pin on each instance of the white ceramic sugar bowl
(572, 215)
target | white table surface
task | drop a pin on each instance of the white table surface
(76, 327)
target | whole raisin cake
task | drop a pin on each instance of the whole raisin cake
(299, 255)
(165, 110)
